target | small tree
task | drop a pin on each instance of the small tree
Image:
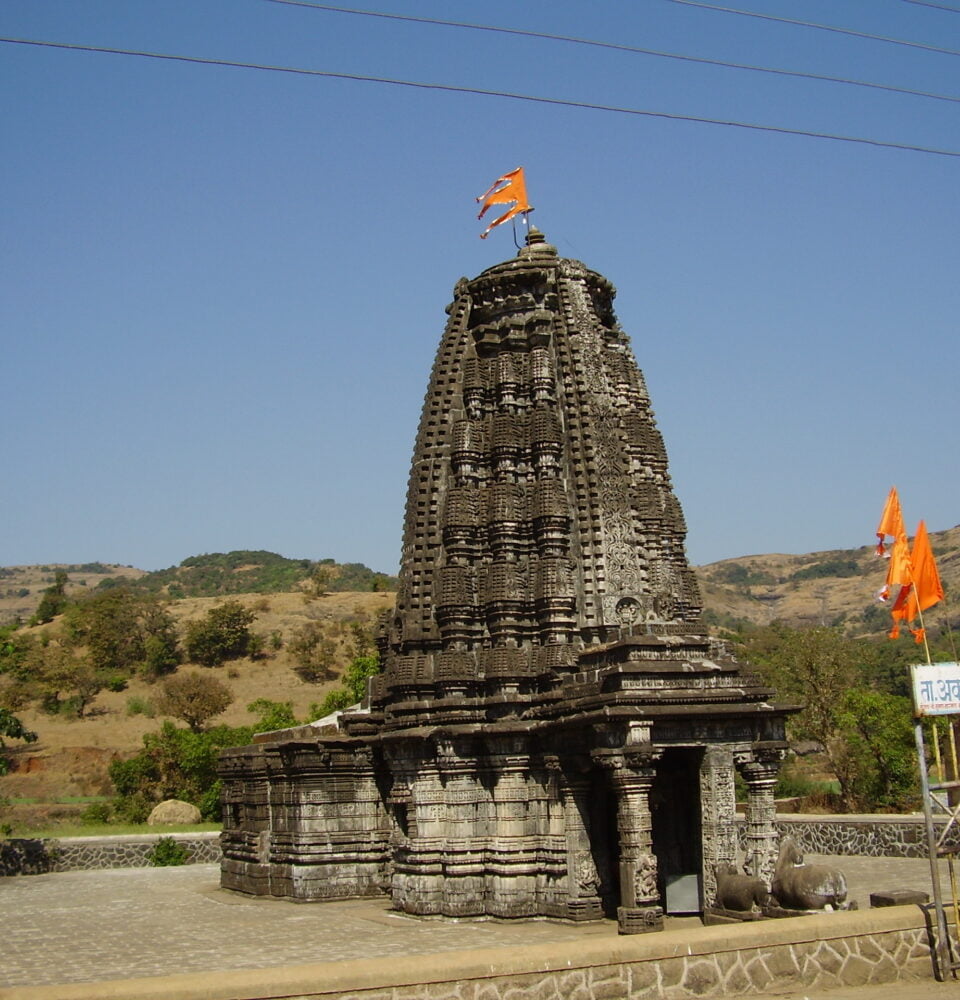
(814, 667)
(883, 749)
(222, 634)
(12, 728)
(313, 653)
(194, 698)
(54, 600)
(63, 679)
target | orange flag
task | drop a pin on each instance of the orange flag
(891, 520)
(924, 589)
(927, 588)
(891, 523)
(899, 569)
(514, 189)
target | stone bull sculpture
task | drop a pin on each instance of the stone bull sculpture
(798, 886)
(740, 893)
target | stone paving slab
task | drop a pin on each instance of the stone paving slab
(88, 926)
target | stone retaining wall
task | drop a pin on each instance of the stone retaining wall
(877, 836)
(818, 952)
(868, 836)
(34, 857)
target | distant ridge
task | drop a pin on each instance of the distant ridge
(833, 587)
(213, 574)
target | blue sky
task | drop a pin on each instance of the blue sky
(221, 289)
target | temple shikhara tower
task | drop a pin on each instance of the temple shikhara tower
(554, 732)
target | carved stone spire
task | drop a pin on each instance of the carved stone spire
(540, 511)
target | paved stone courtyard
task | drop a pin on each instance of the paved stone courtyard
(73, 927)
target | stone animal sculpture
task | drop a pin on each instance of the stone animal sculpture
(741, 893)
(798, 886)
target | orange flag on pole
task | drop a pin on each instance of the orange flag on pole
(927, 588)
(891, 523)
(923, 588)
(891, 520)
(514, 189)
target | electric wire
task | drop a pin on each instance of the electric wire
(449, 88)
(575, 40)
(935, 6)
(819, 27)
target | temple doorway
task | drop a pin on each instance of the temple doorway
(677, 835)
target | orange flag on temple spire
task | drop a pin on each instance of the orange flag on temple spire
(891, 520)
(514, 189)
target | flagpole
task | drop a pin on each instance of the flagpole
(923, 630)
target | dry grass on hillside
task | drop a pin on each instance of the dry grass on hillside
(71, 756)
(14, 580)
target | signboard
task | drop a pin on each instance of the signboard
(936, 688)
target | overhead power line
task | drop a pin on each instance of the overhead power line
(935, 6)
(574, 40)
(449, 88)
(819, 27)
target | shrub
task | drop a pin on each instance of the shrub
(12, 727)
(96, 813)
(168, 852)
(136, 705)
(174, 763)
(272, 715)
(335, 701)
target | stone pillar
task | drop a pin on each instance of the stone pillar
(583, 879)
(760, 768)
(640, 910)
(718, 810)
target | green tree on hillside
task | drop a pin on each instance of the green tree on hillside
(63, 679)
(194, 698)
(313, 652)
(54, 600)
(222, 634)
(122, 631)
(12, 728)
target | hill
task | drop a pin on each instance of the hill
(216, 574)
(834, 587)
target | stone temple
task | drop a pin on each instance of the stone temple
(554, 732)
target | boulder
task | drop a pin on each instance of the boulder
(173, 811)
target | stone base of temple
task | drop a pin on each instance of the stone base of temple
(576, 910)
(639, 920)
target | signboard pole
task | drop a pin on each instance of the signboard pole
(944, 961)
